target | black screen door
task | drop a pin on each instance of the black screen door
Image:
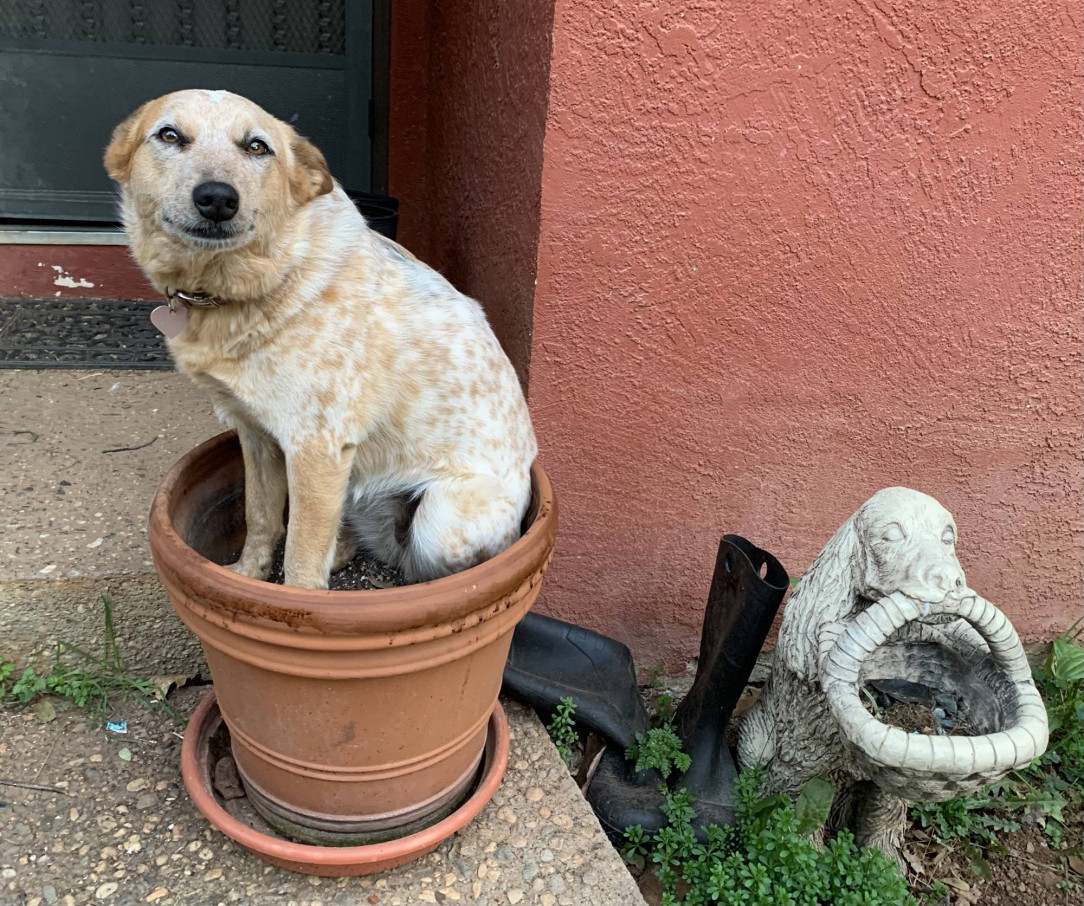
(70, 70)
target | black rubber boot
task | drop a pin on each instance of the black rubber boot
(623, 797)
(746, 591)
(550, 660)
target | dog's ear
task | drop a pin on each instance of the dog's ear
(126, 138)
(309, 175)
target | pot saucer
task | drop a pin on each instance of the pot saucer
(245, 826)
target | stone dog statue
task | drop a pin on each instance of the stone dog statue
(887, 598)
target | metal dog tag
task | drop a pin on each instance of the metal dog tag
(170, 321)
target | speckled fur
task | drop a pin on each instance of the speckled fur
(361, 383)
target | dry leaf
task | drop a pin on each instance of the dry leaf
(939, 853)
(915, 862)
(164, 684)
(745, 703)
(227, 779)
(1076, 864)
(955, 883)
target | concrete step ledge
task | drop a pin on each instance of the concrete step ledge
(125, 831)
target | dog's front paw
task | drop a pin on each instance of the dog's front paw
(303, 580)
(253, 570)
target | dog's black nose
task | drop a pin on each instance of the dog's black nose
(216, 201)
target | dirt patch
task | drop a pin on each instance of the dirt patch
(919, 709)
(360, 574)
(1027, 873)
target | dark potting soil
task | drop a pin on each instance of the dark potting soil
(918, 709)
(362, 573)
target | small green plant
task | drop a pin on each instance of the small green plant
(653, 676)
(1061, 684)
(660, 703)
(937, 894)
(83, 679)
(764, 858)
(1047, 792)
(562, 729)
(663, 707)
(6, 669)
(659, 748)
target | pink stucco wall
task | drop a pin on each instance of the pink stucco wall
(791, 253)
(469, 85)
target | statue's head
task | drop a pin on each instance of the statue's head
(906, 543)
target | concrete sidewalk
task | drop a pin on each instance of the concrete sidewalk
(81, 454)
(124, 832)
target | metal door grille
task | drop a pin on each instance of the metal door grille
(90, 63)
(269, 25)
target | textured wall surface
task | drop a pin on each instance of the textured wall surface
(468, 119)
(791, 253)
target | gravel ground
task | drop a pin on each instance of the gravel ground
(123, 832)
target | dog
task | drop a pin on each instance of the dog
(364, 388)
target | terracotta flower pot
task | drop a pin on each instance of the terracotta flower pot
(197, 755)
(355, 716)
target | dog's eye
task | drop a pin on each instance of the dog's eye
(169, 135)
(892, 532)
(257, 148)
(948, 536)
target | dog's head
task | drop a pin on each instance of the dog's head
(211, 170)
(907, 543)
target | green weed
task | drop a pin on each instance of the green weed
(659, 748)
(85, 680)
(764, 858)
(562, 729)
(660, 703)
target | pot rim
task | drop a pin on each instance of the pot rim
(309, 858)
(358, 610)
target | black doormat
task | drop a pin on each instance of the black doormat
(80, 333)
